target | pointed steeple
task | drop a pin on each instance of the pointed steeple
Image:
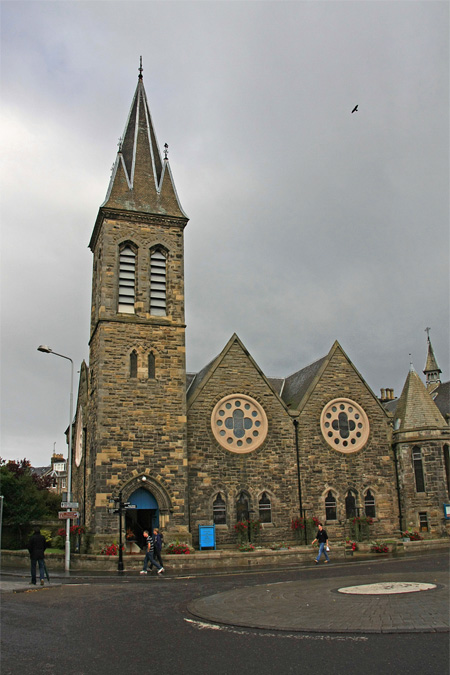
(141, 180)
(431, 370)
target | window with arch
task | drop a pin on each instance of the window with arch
(242, 508)
(265, 508)
(350, 505)
(133, 363)
(369, 505)
(447, 466)
(330, 506)
(418, 469)
(151, 366)
(158, 281)
(219, 511)
(127, 280)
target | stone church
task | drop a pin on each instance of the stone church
(228, 443)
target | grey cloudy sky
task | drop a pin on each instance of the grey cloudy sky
(307, 223)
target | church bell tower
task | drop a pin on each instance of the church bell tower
(136, 409)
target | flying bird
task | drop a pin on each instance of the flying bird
(355, 109)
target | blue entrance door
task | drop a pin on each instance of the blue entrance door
(145, 516)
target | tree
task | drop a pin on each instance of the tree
(25, 499)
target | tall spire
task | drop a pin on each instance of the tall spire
(141, 180)
(431, 370)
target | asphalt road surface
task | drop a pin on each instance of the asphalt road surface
(143, 624)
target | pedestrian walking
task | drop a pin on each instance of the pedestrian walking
(158, 539)
(149, 555)
(36, 547)
(322, 539)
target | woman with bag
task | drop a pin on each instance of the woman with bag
(322, 539)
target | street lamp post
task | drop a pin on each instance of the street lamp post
(47, 350)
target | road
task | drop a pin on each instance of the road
(130, 624)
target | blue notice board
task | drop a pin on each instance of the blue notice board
(207, 536)
(447, 511)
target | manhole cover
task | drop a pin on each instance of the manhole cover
(387, 588)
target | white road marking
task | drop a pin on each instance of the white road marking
(200, 625)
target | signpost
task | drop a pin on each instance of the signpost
(69, 505)
(120, 506)
(72, 515)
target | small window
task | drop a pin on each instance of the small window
(133, 364)
(127, 280)
(265, 509)
(350, 505)
(330, 507)
(418, 469)
(369, 505)
(151, 366)
(242, 509)
(219, 511)
(423, 521)
(158, 284)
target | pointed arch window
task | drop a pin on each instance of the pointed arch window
(418, 469)
(242, 508)
(127, 280)
(369, 505)
(219, 511)
(350, 505)
(330, 507)
(265, 509)
(151, 366)
(158, 282)
(133, 363)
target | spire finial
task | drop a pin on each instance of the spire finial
(166, 151)
(140, 68)
(411, 366)
(427, 331)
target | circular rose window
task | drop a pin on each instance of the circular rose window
(344, 425)
(239, 423)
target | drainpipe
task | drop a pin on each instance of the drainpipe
(300, 503)
(397, 481)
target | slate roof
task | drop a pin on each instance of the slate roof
(441, 397)
(277, 384)
(391, 405)
(296, 385)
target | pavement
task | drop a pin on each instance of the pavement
(317, 606)
(312, 604)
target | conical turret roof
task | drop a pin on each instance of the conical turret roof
(416, 409)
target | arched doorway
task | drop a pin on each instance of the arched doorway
(144, 517)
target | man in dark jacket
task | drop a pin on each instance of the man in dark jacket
(36, 547)
(322, 539)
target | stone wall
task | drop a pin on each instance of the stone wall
(271, 468)
(136, 426)
(323, 468)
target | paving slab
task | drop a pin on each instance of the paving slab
(20, 585)
(316, 605)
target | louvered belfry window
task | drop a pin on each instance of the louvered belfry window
(158, 286)
(127, 280)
